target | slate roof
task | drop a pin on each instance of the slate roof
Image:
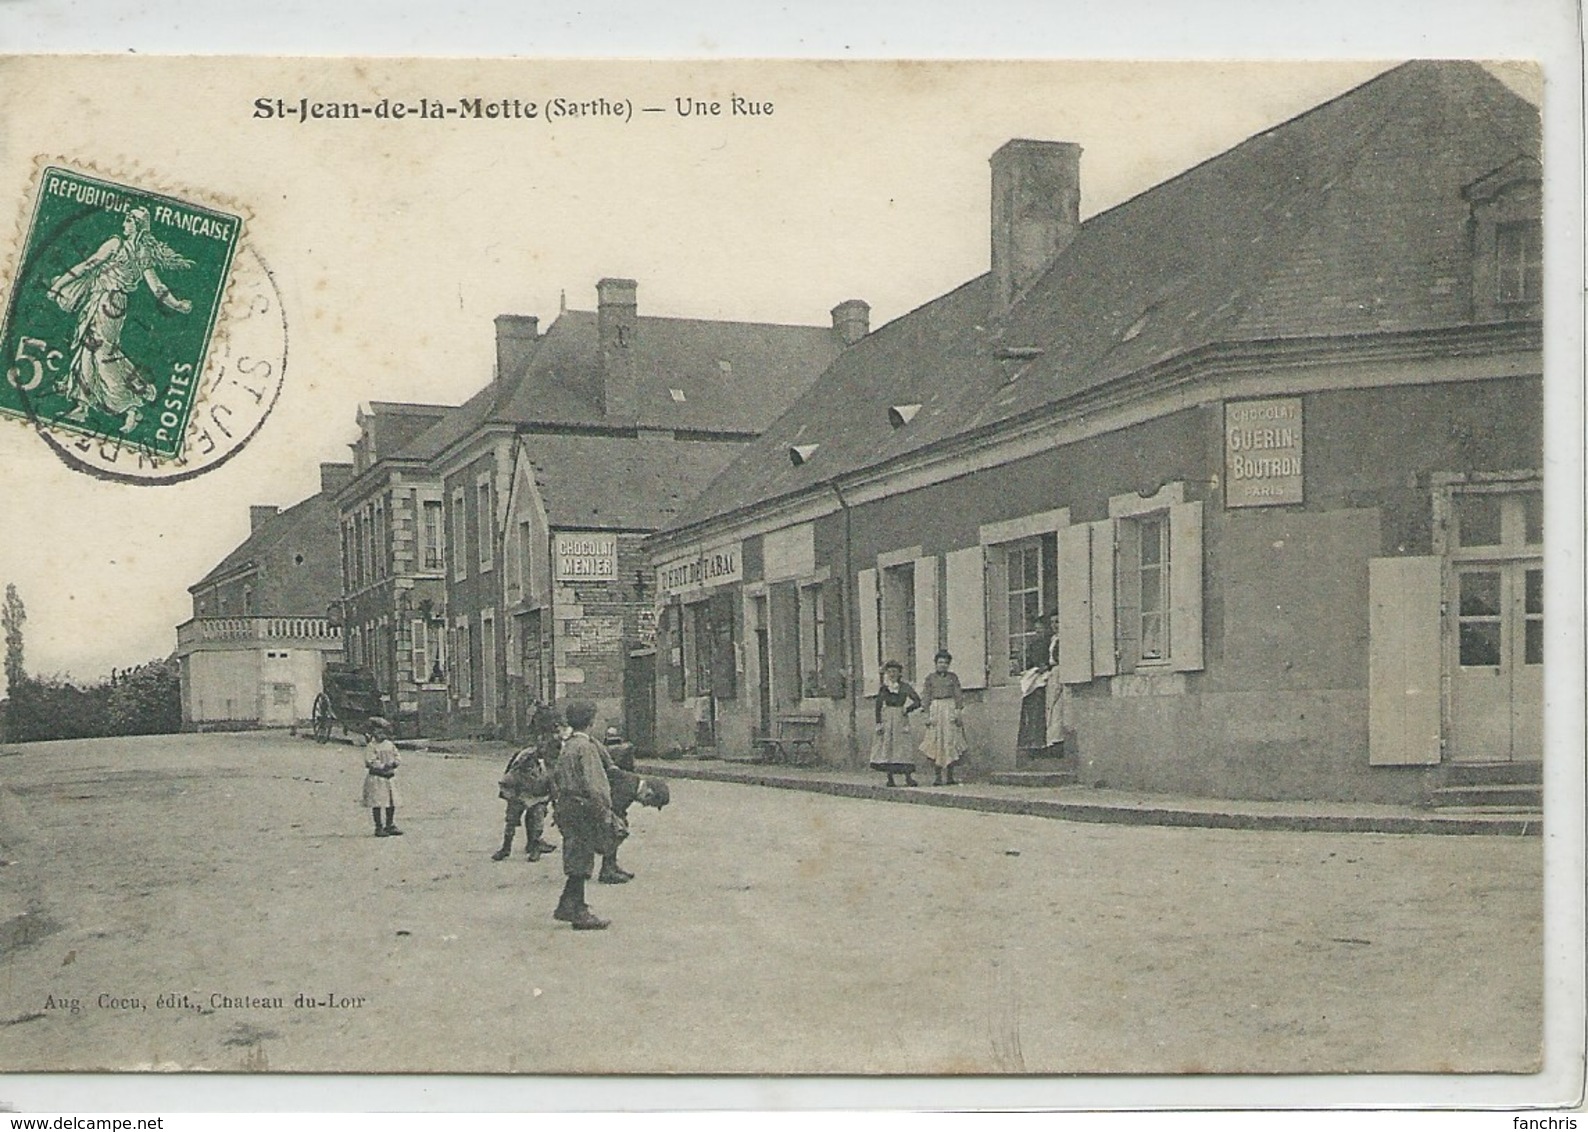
(735, 377)
(312, 525)
(622, 483)
(1347, 219)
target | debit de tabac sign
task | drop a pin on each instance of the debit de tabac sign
(1262, 452)
(715, 567)
(584, 557)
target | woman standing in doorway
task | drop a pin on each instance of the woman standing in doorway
(893, 749)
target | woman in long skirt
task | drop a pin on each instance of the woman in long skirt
(893, 749)
(944, 742)
(1036, 735)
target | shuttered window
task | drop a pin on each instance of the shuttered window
(1157, 588)
(965, 606)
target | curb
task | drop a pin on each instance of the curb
(1498, 825)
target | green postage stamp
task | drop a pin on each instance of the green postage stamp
(115, 299)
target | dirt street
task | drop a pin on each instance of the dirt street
(219, 902)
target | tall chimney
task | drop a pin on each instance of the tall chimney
(260, 514)
(852, 320)
(516, 335)
(617, 321)
(1036, 211)
(334, 477)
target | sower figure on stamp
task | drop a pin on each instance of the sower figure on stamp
(380, 760)
(526, 786)
(98, 291)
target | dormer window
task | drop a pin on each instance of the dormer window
(1507, 242)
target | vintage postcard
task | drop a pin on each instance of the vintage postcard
(933, 569)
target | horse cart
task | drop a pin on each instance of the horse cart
(348, 699)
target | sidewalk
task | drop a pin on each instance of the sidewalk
(1069, 803)
(1085, 803)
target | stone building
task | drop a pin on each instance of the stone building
(1267, 438)
(591, 436)
(254, 649)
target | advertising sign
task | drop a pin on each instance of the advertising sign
(1262, 452)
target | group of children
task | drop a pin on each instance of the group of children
(588, 786)
(941, 700)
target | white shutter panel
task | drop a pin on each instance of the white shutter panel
(967, 615)
(869, 675)
(925, 617)
(997, 615)
(1403, 661)
(1075, 604)
(1102, 597)
(1185, 587)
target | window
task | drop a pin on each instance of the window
(248, 600)
(367, 544)
(813, 639)
(526, 554)
(1153, 578)
(1030, 595)
(431, 557)
(1519, 262)
(898, 616)
(460, 539)
(378, 554)
(487, 668)
(463, 663)
(484, 520)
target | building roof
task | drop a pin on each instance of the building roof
(733, 377)
(1346, 220)
(622, 483)
(312, 524)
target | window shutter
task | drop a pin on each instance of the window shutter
(967, 615)
(926, 642)
(1185, 587)
(783, 642)
(997, 615)
(833, 659)
(1127, 577)
(1102, 581)
(420, 643)
(673, 651)
(1403, 661)
(1075, 604)
(724, 657)
(869, 676)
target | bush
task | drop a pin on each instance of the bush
(145, 700)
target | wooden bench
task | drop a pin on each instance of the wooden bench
(795, 741)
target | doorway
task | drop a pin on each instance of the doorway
(1495, 628)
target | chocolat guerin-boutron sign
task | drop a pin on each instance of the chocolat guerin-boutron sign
(1262, 452)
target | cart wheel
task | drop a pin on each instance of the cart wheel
(322, 718)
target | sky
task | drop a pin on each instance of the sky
(395, 244)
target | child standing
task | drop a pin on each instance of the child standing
(944, 744)
(893, 750)
(381, 761)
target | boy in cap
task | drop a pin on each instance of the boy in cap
(585, 785)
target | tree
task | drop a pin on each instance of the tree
(14, 617)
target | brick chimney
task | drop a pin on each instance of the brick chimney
(334, 477)
(1036, 211)
(617, 321)
(260, 514)
(516, 335)
(852, 321)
